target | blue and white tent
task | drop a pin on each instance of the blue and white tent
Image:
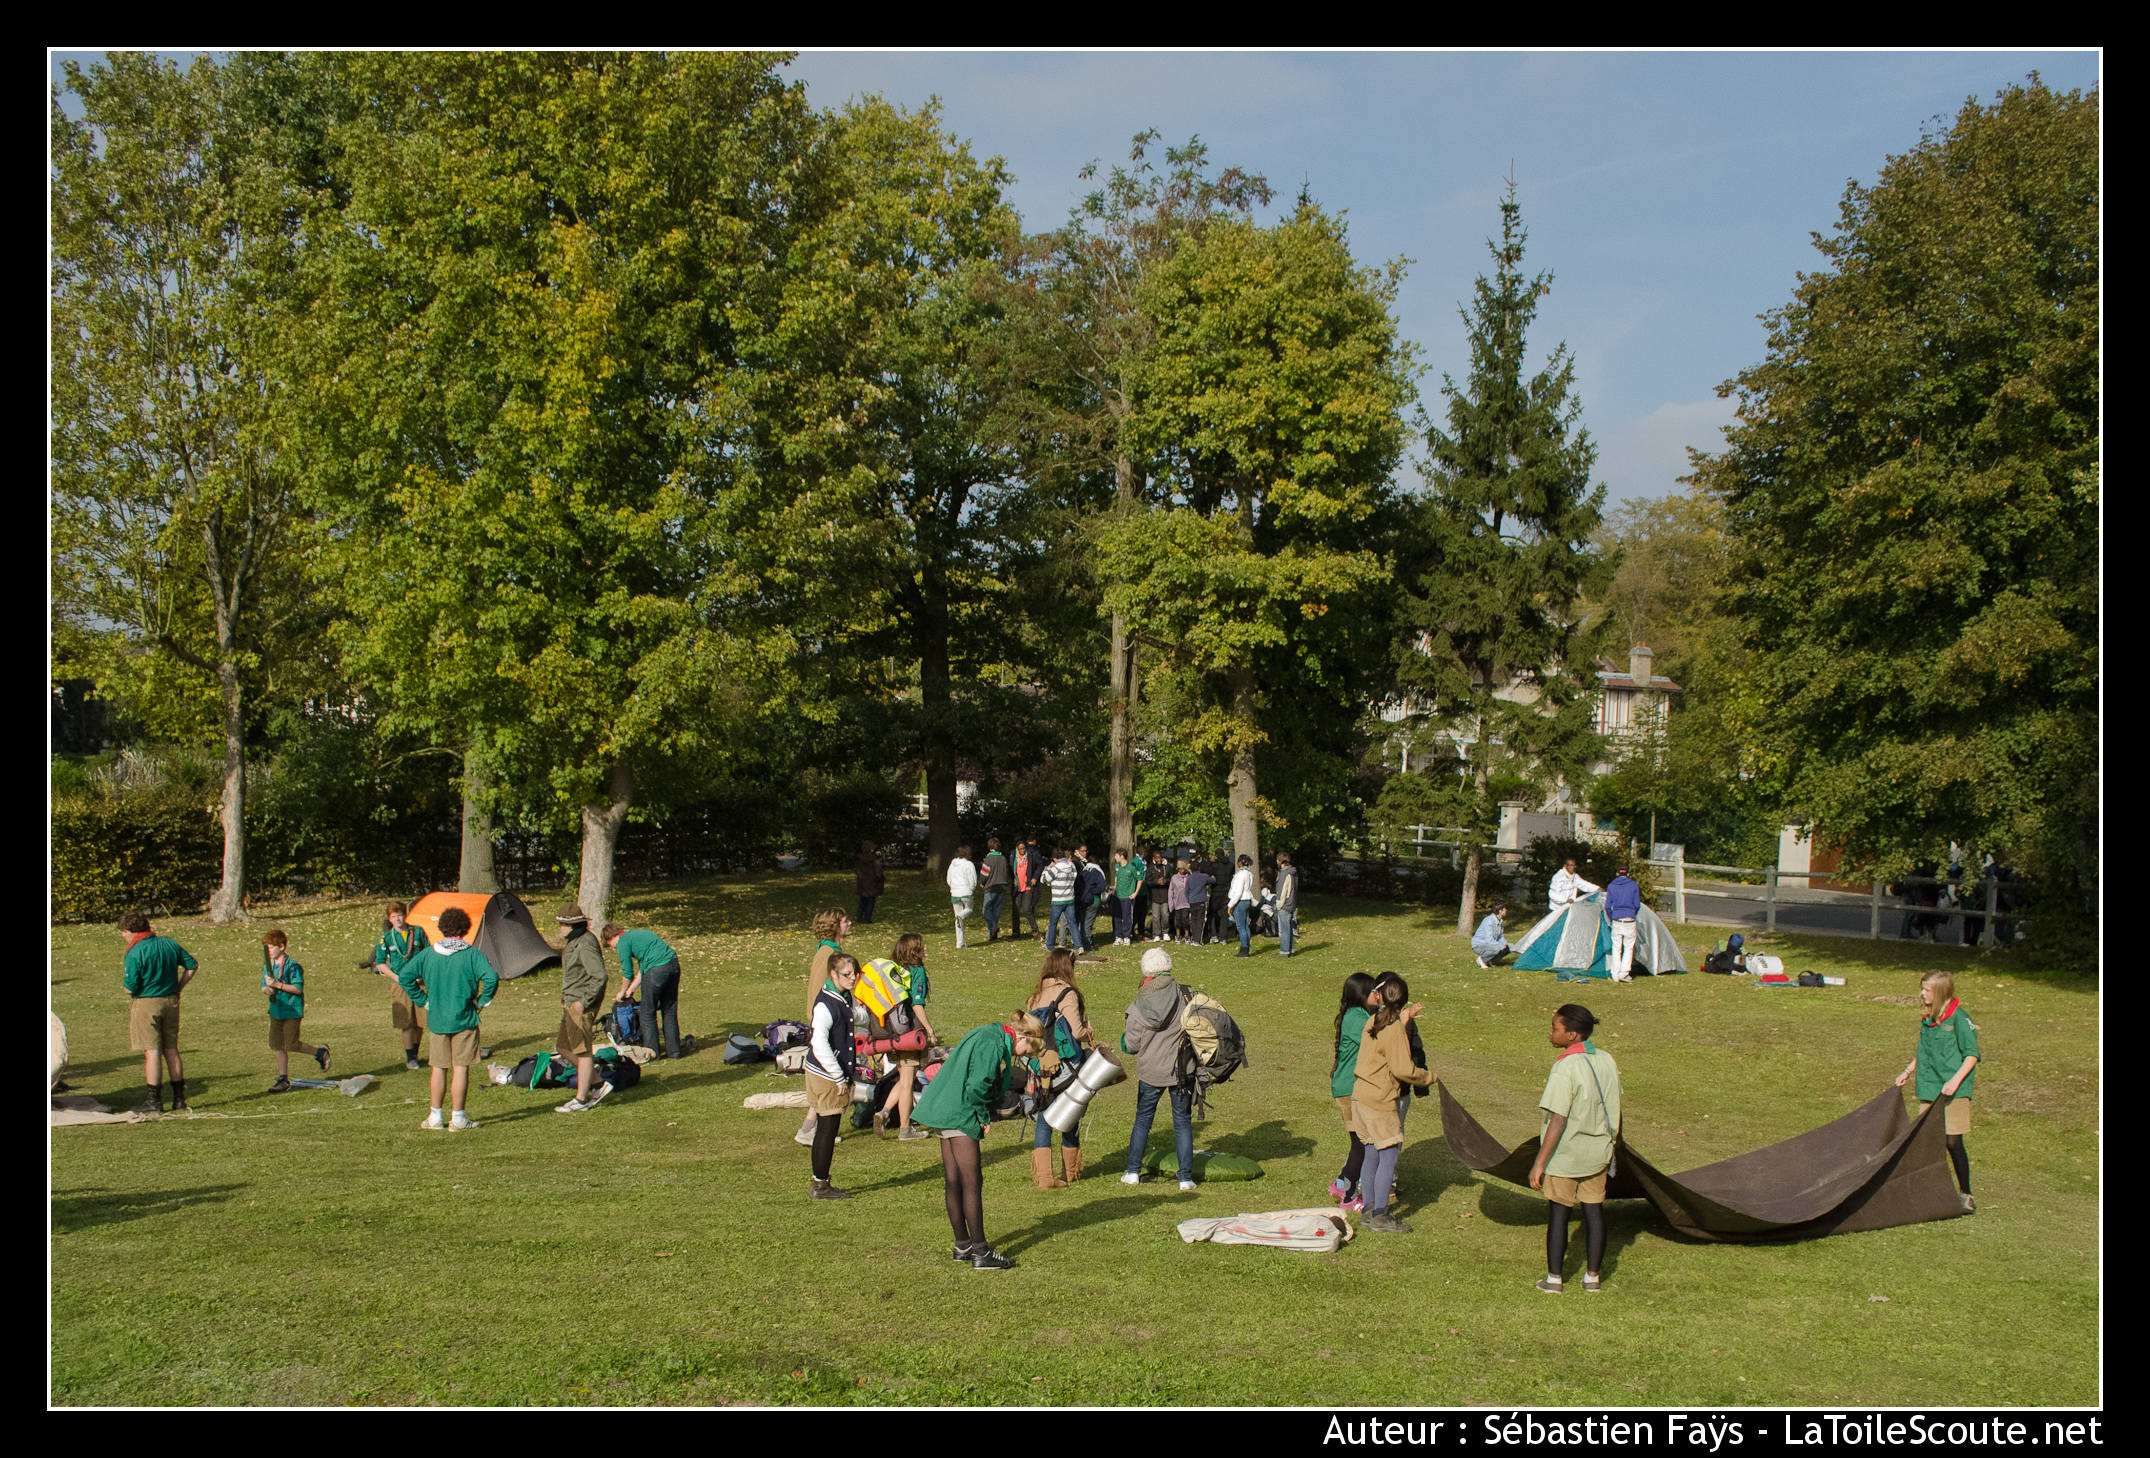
(1577, 940)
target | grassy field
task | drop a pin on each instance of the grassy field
(308, 1248)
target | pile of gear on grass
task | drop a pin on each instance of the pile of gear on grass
(1731, 959)
(618, 1051)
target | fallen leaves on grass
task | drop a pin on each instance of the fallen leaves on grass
(1877, 1298)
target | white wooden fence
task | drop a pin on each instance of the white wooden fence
(1772, 876)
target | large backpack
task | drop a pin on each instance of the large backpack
(1212, 1048)
(879, 992)
(1064, 1043)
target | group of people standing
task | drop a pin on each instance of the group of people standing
(1182, 899)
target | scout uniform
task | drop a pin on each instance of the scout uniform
(1575, 1172)
(454, 982)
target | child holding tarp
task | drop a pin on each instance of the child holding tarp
(1383, 1072)
(1946, 1062)
(1575, 1150)
(285, 982)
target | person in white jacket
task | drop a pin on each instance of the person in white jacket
(1240, 900)
(962, 885)
(1567, 887)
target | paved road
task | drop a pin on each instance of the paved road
(1812, 913)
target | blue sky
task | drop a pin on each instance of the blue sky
(1670, 194)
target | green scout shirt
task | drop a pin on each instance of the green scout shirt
(640, 950)
(1942, 1048)
(911, 982)
(452, 986)
(286, 1004)
(1347, 1068)
(1586, 1144)
(153, 965)
(960, 1096)
(1126, 880)
(582, 970)
(395, 947)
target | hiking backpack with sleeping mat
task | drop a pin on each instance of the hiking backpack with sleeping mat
(1212, 1047)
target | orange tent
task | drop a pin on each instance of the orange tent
(500, 927)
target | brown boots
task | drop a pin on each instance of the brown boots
(1071, 1159)
(1041, 1170)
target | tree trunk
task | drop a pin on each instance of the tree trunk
(229, 903)
(1123, 745)
(476, 872)
(1240, 789)
(1467, 913)
(937, 743)
(600, 837)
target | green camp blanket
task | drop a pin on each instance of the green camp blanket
(1208, 1165)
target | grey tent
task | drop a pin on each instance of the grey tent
(505, 932)
(1871, 1169)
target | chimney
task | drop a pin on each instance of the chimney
(1638, 664)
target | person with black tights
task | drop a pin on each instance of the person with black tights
(830, 1061)
(1945, 1064)
(1577, 1149)
(960, 1103)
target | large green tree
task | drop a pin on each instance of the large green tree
(1272, 402)
(1912, 488)
(1497, 654)
(173, 466)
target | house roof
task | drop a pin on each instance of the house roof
(1613, 678)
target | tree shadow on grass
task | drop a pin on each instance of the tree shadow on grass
(1426, 1169)
(83, 1209)
(1076, 1217)
(993, 1154)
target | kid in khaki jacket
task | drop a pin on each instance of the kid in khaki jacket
(1384, 1068)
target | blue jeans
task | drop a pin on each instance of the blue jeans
(1063, 911)
(1123, 919)
(994, 895)
(1240, 910)
(865, 909)
(1085, 919)
(660, 1008)
(1044, 1137)
(1146, 1096)
(1287, 917)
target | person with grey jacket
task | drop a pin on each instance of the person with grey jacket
(1153, 1036)
(1287, 908)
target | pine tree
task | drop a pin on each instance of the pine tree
(1498, 660)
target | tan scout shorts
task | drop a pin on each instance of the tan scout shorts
(1589, 1190)
(574, 1039)
(455, 1050)
(284, 1035)
(1344, 1106)
(401, 1012)
(1378, 1128)
(153, 1022)
(824, 1096)
(1956, 1119)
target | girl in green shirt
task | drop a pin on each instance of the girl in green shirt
(1946, 1061)
(959, 1102)
(1351, 1015)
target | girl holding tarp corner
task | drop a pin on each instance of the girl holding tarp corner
(1946, 1063)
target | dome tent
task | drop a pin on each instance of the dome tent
(500, 927)
(1577, 940)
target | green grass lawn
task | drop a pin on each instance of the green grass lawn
(309, 1248)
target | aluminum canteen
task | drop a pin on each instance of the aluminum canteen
(1099, 1071)
(1066, 1111)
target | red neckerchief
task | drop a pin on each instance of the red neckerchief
(1946, 1013)
(1572, 1049)
(133, 937)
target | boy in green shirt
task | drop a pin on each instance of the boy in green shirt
(454, 982)
(651, 967)
(285, 982)
(153, 981)
(399, 942)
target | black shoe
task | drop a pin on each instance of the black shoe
(1243, 952)
(152, 1100)
(321, 1057)
(989, 1259)
(963, 1254)
(823, 1190)
(179, 1097)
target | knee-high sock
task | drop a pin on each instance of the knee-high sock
(1556, 1236)
(1593, 1237)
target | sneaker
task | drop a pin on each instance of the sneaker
(597, 1093)
(410, 1063)
(964, 1254)
(572, 1106)
(1481, 962)
(460, 1122)
(432, 1121)
(1339, 1191)
(914, 1132)
(1591, 1283)
(880, 1125)
(1186, 1187)
(1969, 1204)
(989, 1259)
(282, 1085)
(1355, 1205)
(1550, 1285)
(823, 1190)
(1131, 1179)
(321, 1057)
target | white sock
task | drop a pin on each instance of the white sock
(436, 1112)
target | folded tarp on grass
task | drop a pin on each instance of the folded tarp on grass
(1322, 1230)
(1873, 1168)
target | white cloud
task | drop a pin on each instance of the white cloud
(1647, 457)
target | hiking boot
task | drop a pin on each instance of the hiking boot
(572, 1106)
(914, 1132)
(432, 1121)
(152, 1100)
(880, 1125)
(1550, 1285)
(179, 1097)
(1387, 1224)
(321, 1057)
(823, 1190)
(461, 1122)
(989, 1259)
(282, 1085)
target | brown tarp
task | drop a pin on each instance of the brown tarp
(1871, 1169)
